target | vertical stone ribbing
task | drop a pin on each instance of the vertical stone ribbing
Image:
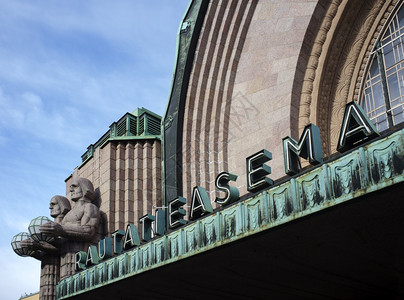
(192, 116)
(120, 187)
(226, 48)
(210, 72)
(107, 186)
(127, 179)
(147, 178)
(198, 146)
(156, 175)
(138, 180)
(129, 184)
(234, 50)
(50, 275)
(209, 92)
(209, 119)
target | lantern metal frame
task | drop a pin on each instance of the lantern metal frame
(36, 234)
(15, 244)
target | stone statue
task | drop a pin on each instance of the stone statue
(81, 222)
(79, 226)
(56, 242)
(49, 253)
(59, 206)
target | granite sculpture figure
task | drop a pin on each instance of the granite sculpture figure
(49, 252)
(79, 226)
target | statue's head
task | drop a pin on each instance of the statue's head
(59, 205)
(82, 188)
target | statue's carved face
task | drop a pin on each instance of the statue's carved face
(54, 207)
(75, 191)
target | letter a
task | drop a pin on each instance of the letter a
(356, 128)
(200, 203)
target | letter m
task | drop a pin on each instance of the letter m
(309, 147)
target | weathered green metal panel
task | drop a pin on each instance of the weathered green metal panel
(174, 244)
(364, 170)
(282, 201)
(146, 256)
(210, 230)
(348, 174)
(173, 119)
(231, 221)
(160, 252)
(192, 236)
(256, 213)
(312, 189)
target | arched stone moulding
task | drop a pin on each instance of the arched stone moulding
(206, 117)
(340, 47)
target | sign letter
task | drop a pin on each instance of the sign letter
(257, 171)
(222, 184)
(200, 203)
(309, 147)
(160, 224)
(176, 213)
(356, 128)
(117, 237)
(146, 223)
(131, 237)
(92, 256)
(105, 248)
(80, 261)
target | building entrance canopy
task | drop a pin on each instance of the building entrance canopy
(334, 231)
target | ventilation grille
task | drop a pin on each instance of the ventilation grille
(121, 128)
(133, 125)
(141, 125)
(153, 126)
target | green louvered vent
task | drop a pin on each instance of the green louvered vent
(102, 140)
(133, 125)
(141, 125)
(153, 125)
(121, 128)
(88, 154)
(84, 156)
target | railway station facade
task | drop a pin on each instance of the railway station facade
(276, 171)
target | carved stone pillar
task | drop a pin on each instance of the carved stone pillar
(50, 276)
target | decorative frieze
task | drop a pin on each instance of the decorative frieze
(372, 167)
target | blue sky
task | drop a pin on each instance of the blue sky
(68, 69)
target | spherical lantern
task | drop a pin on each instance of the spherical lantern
(36, 234)
(15, 243)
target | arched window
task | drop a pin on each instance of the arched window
(383, 87)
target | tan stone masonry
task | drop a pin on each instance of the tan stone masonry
(127, 180)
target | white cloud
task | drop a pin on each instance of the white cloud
(68, 69)
(27, 113)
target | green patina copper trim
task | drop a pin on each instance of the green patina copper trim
(373, 167)
(142, 124)
(172, 125)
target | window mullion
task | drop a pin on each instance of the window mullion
(383, 78)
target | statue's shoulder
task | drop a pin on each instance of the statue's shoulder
(91, 208)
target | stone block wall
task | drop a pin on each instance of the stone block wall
(127, 181)
(240, 90)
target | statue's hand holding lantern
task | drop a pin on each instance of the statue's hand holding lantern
(27, 244)
(51, 229)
